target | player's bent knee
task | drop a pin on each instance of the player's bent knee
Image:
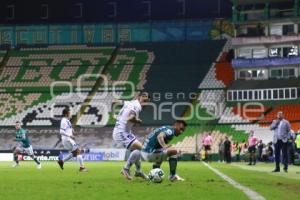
(76, 152)
(172, 152)
(16, 151)
(136, 145)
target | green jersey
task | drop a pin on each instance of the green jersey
(151, 143)
(298, 141)
(22, 137)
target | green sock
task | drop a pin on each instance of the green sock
(36, 161)
(155, 166)
(16, 158)
(173, 165)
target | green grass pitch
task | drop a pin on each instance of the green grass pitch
(104, 181)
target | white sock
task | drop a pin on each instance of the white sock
(138, 165)
(80, 159)
(68, 157)
(134, 157)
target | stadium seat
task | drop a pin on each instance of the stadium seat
(12, 104)
(291, 113)
(39, 67)
(229, 117)
(45, 111)
(262, 133)
(2, 54)
(212, 100)
(210, 80)
(36, 69)
(193, 144)
(97, 112)
(221, 73)
(130, 65)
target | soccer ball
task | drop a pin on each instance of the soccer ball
(156, 175)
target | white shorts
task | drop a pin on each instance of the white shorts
(69, 144)
(157, 157)
(28, 150)
(123, 139)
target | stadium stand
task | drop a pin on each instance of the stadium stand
(193, 144)
(187, 145)
(173, 70)
(251, 112)
(212, 100)
(97, 112)
(15, 103)
(291, 113)
(208, 123)
(229, 117)
(263, 133)
(2, 54)
(238, 135)
(28, 68)
(221, 73)
(264, 84)
(46, 109)
(175, 63)
(295, 126)
(224, 71)
(241, 114)
(155, 67)
(130, 65)
(39, 67)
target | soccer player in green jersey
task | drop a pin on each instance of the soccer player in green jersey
(156, 148)
(25, 146)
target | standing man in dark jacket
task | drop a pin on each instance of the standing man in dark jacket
(260, 147)
(227, 150)
(281, 128)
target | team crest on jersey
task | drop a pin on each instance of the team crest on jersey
(169, 132)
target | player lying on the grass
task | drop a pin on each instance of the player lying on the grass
(67, 138)
(123, 136)
(156, 148)
(25, 146)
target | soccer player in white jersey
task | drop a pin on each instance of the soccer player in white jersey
(123, 136)
(67, 137)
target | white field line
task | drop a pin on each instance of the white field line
(252, 195)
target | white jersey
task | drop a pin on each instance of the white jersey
(65, 128)
(129, 108)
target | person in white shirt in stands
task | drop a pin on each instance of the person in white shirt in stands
(122, 133)
(68, 141)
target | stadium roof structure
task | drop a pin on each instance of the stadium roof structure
(250, 2)
(264, 84)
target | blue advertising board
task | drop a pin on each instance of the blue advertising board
(62, 34)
